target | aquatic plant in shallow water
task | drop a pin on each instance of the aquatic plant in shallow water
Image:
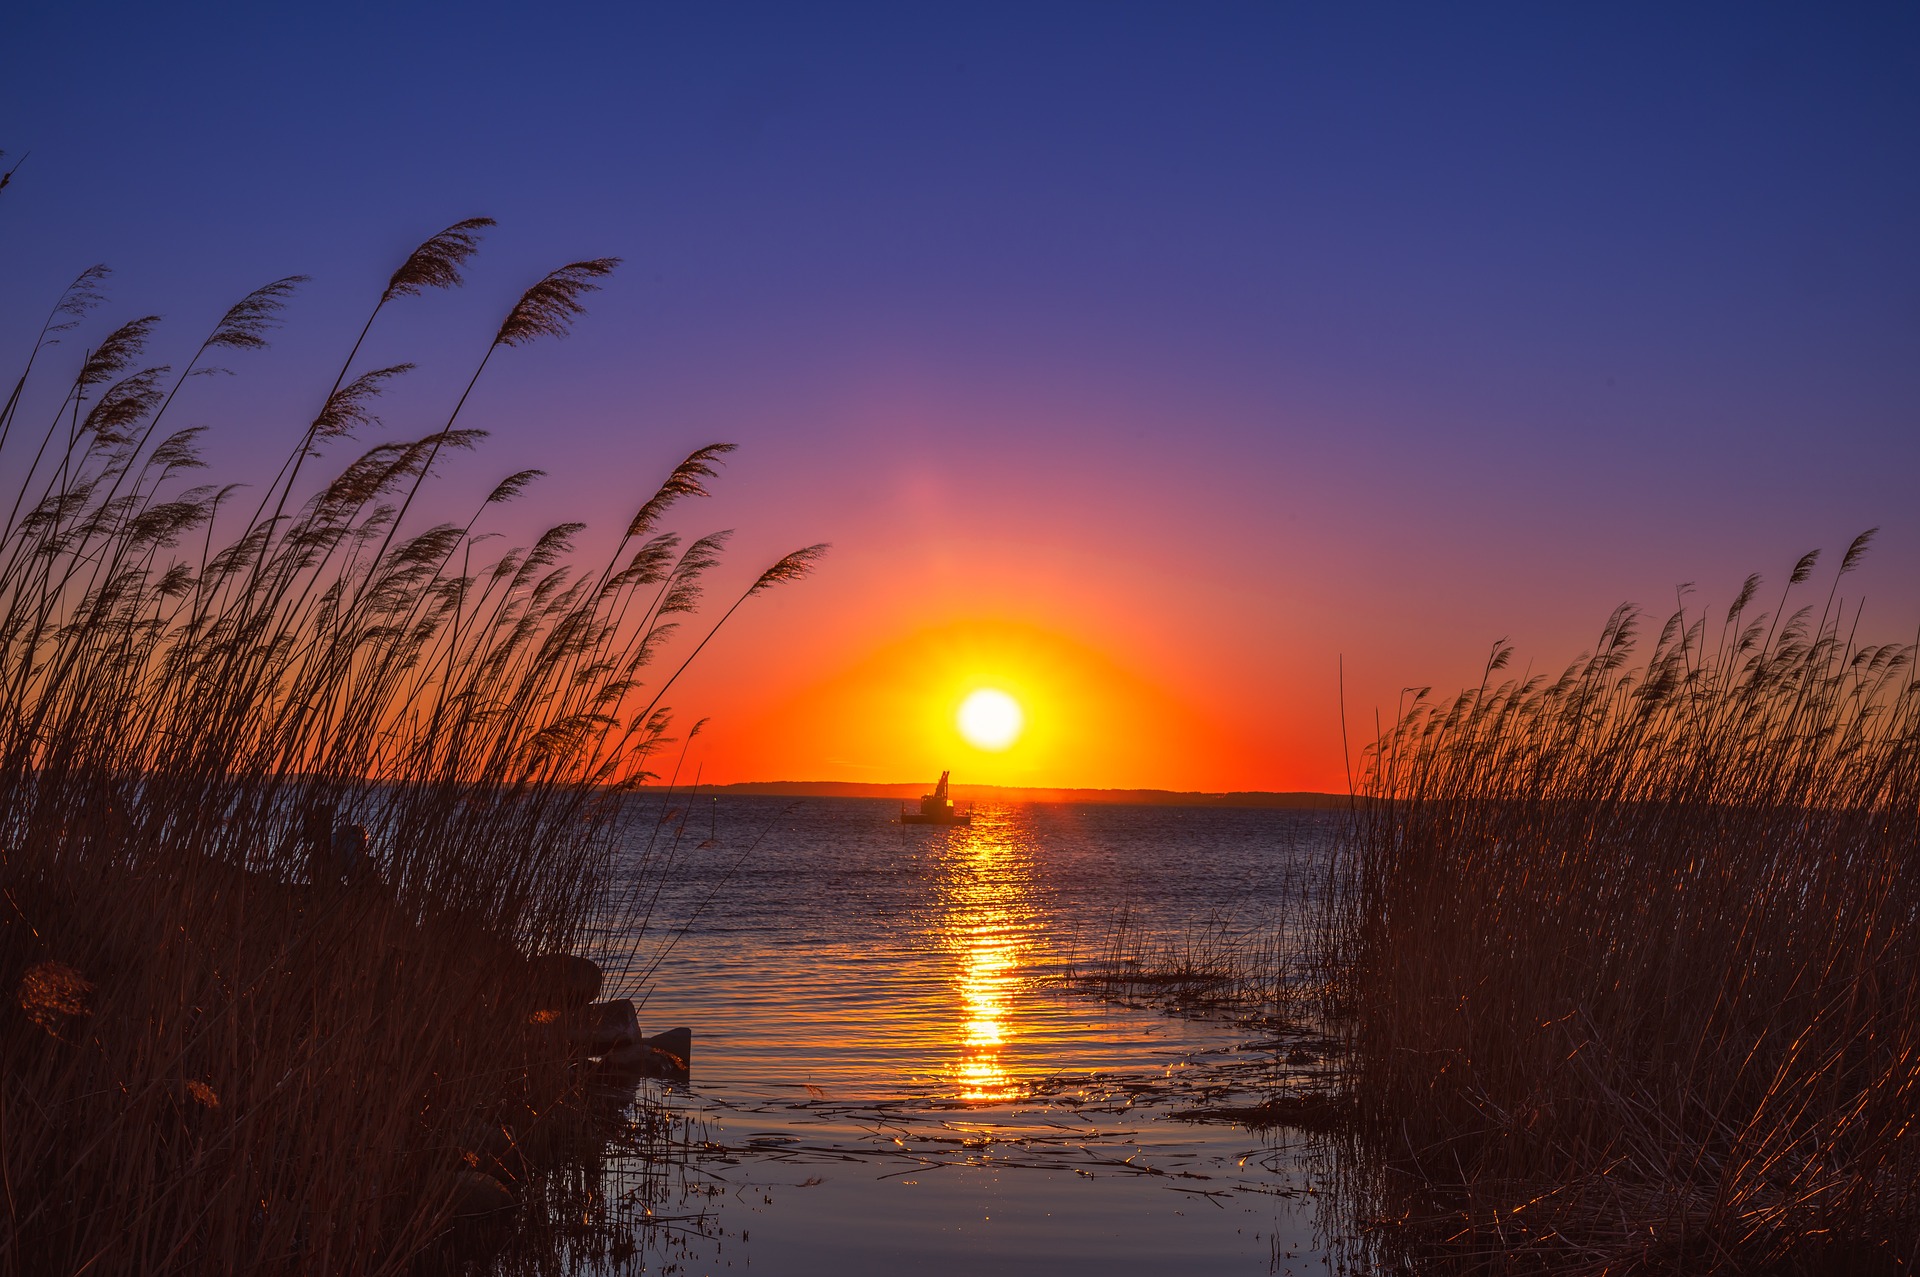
(213, 1060)
(1627, 961)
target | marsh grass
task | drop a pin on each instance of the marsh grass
(635, 1201)
(1626, 961)
(1222, 966)
(221, 1053)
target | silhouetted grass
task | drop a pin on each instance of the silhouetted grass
(1627, 961)
(1218, 967)
(1257, 969)
(226, 1049)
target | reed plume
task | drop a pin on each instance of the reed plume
(549, 308)
(437, 262)
(221, 1055)
(248, 321)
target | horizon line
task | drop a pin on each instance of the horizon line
(1032, 793)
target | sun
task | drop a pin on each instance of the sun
(990, 719)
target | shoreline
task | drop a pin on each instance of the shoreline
(909, 790)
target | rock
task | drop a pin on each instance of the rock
(477, 1195)
(336, 849)
(665, 1055)
(352, 863)
(638, 1060)
(607, 1026)
(565, 1132)
(484, 1138)
(572, 980)
(677, 1043)
(490, 1147)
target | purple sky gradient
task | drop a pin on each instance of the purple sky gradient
(1221, 341)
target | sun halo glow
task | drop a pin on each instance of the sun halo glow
(990, 719)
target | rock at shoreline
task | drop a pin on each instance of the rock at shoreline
(665, 1055)
(479, 1195)
(677, 1043)
(337, 850)
(489, 1147)
(607, 1026)
(568, 978)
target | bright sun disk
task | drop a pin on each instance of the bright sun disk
(990, 719)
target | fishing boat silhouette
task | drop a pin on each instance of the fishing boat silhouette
(936, 808)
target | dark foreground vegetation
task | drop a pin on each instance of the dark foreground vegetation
(235, 1039)
(1627, 962)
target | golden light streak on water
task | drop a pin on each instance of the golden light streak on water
(989, 919)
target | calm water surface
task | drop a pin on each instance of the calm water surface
(889, 1070)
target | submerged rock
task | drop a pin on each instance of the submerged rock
(677, 1043)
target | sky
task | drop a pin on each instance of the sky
(1199, 375)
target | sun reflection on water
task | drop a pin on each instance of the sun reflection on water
(988, 920)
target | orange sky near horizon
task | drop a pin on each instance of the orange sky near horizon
(1134, 667)
(1133, 670)
(1138, 662)
(889, 713)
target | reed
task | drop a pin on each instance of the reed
(221, 1052)
(1255, 964)
(1219, 967)
(1626, 961)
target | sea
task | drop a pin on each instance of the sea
(898, 1065)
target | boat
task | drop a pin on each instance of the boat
(936, 808)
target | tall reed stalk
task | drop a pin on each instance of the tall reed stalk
(218, 1055)
(1628, 961)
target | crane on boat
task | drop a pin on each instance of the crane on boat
(936, 808)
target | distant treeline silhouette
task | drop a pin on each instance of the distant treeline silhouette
(1034, 794)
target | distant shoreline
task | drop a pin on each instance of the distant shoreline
(1024, 794)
